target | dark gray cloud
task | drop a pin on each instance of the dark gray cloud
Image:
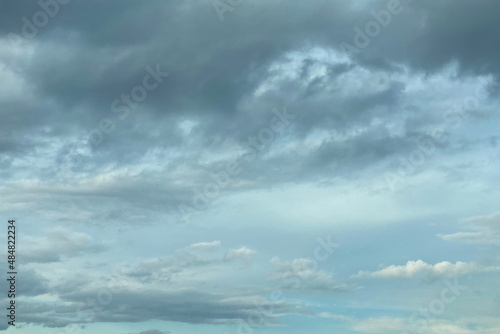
(224, 78)
(192, 307)
(31, 283)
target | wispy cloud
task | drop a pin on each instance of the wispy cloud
(479, 230)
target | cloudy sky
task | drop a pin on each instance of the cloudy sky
(252, 166)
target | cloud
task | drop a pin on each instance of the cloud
(31, 283)
(441, 269)
(153, 331)
(241, 254)
(136, 305)
(302, 274)
(58, 244)
(409, 325)
(402, 325)
(483, 230)
(189, 263)
(138, 292)
(206, 246)
(354, 114)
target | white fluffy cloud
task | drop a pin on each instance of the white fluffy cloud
(441, 269)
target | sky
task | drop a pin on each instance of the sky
(251, 166)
